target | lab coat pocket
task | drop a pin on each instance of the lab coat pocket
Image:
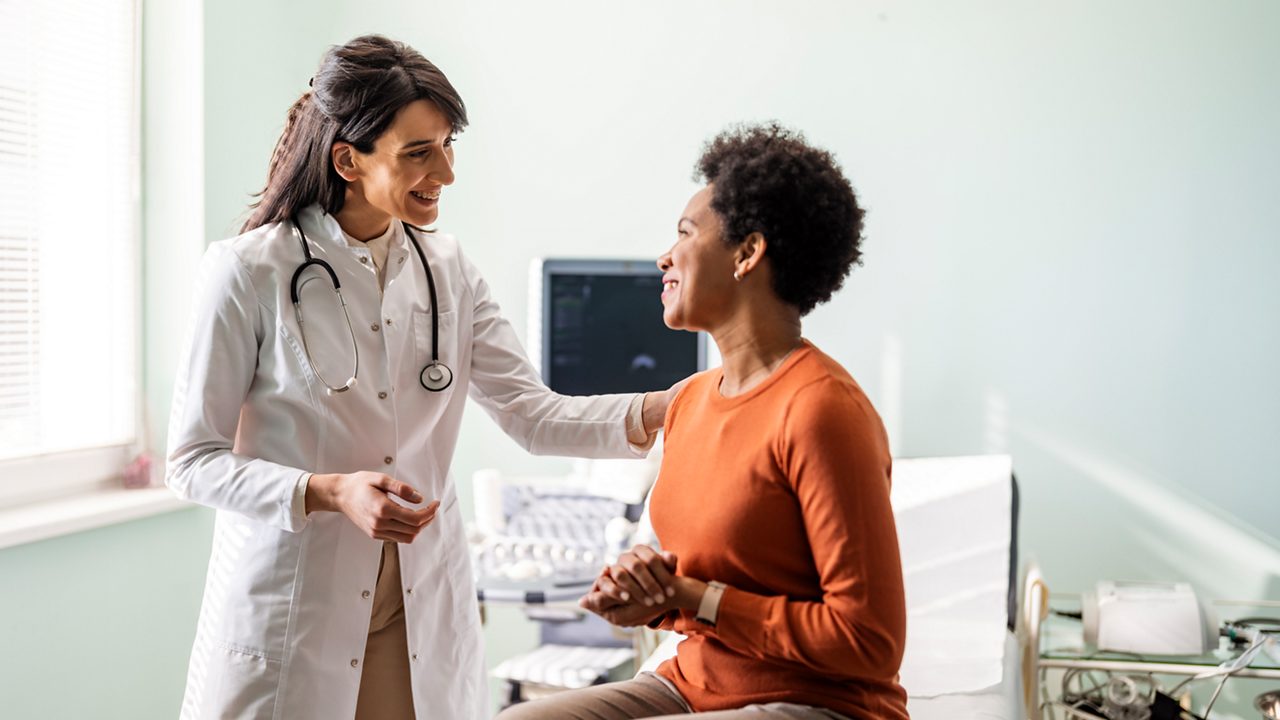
(444, 348)
(240, 684)
(255, 567)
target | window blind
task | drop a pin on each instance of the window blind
(69, 255)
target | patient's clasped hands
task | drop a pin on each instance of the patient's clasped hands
(640, 586)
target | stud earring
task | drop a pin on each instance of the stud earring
(737, 276)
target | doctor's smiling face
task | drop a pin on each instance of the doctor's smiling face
(403, 176)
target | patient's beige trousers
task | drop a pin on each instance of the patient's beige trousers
(647, 696)
(385, 692)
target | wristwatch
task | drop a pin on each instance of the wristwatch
(709, 606)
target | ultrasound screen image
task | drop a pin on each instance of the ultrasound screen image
(605, 335)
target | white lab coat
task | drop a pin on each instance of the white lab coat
(288, 597)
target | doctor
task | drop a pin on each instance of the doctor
(318, 404)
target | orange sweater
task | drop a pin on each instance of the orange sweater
(782, 493)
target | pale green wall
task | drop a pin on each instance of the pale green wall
(1071, 251)
(99, 624)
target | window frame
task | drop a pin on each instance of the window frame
(45, 477)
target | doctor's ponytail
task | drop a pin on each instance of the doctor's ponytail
(285, 141)
(354, 97)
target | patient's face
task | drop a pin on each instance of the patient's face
(697, 272)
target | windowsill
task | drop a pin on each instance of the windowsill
(94, 509)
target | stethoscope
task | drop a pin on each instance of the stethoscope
(435, 376)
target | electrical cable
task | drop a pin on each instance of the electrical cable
(1216, 691)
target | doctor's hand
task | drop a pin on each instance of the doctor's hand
(654, 409)
(365, 498)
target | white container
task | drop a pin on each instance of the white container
(1148, 618)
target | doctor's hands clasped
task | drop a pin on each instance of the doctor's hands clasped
(366, 499)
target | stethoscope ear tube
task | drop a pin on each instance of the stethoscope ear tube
(294, 286)
(355, 371)
(306, 251)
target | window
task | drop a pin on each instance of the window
(69, 250)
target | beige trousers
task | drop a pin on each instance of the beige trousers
(385, 692)
(647, 696)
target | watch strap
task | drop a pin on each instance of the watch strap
(709, 606)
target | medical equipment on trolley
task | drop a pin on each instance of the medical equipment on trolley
(541, 540)
(1148, 618)
(435, 376)
(539, 544)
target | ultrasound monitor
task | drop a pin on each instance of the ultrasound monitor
(596, 327)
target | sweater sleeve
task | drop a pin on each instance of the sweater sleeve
(835, 455)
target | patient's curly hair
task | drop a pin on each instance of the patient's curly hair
(767, 179)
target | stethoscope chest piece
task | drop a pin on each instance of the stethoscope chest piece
(436, 376)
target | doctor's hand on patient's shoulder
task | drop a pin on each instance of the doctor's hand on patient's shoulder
(654, 409)
(365, 498)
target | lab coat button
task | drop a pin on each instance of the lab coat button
(365, 594)
(387, 322)
(354, 662)
(387, 459)
(382, 396)
(409, 590)
(364, 260)
(400, 261)
(375, 327)
(415, 657)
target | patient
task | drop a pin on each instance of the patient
(780, 559)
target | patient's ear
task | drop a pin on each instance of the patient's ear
(750, 253)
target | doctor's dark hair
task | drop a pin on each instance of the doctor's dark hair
(768, 179)
(354, 97)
